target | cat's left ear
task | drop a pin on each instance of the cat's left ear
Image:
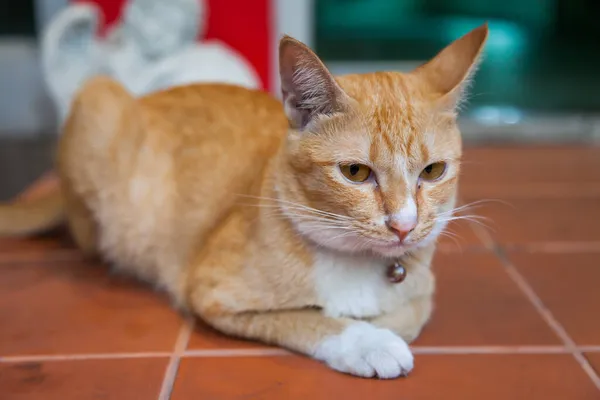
(308, 88)
(449, 73)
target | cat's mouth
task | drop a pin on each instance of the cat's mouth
(389, 245)
(391, 248)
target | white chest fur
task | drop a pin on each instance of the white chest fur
(354, 286)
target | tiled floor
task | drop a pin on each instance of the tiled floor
(517, 317)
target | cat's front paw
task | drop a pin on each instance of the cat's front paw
(367, 351)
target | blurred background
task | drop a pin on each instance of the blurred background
(539, 82)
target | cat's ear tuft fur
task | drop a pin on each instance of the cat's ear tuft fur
(308, 88)
(449, 73)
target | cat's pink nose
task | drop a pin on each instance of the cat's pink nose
(402, 223)
(401, 229)
(404, 220)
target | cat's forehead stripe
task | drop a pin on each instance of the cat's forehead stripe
(404, 149)
(397, 120)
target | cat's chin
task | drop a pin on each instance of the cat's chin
(389, 250)
(361, 245)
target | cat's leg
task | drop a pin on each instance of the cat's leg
(346, 345)
(408, 320)
(238, 306)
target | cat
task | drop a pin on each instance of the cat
(274, 221)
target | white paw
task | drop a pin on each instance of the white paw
(367, 351)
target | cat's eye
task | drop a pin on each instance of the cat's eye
(357, 173)
(433, 172)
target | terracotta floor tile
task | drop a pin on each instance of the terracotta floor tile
(477, 304)
(531, 172)
(79, 308)
(568, 285)
(515, 377)
(521, 190)
(528, 221)
(42, 244)
(50, 248)
(594, 359)
(79, 380)
(517, 164)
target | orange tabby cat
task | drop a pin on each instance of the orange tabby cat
(274, 223)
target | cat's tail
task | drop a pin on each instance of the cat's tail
(32, 217)
(97, 115)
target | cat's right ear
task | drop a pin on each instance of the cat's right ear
(308, 88)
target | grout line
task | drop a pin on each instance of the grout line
(538, 304)
(517, 192)
(173, 367)
(588, 349)
(483, 235)
(459, 350)
(50, 257)
(80, 357)
(453, 248)
(557, 247)
(554, 324)
(268, 352)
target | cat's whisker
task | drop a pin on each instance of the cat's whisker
(310, 226)
(461, 208)
(470, 218)
(290, 203)
(474, 204)
(311, 222)
(475, 221)
(320, 212)
(454, 238)
(324, 226)
(316, 218)
(307, 214)
(454, 214)
(448, 232)
(342, 235)
(285, 211)
(485, 201)
(293, 206)
(365, 245)
(311, 218)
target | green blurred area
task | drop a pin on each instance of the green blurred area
(542, 55)
(17, 18)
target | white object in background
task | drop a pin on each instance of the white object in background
(153, 47)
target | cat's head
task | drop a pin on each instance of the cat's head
(373, 159)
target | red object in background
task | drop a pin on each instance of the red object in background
(245, 25)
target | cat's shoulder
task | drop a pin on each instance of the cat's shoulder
(215, 95)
